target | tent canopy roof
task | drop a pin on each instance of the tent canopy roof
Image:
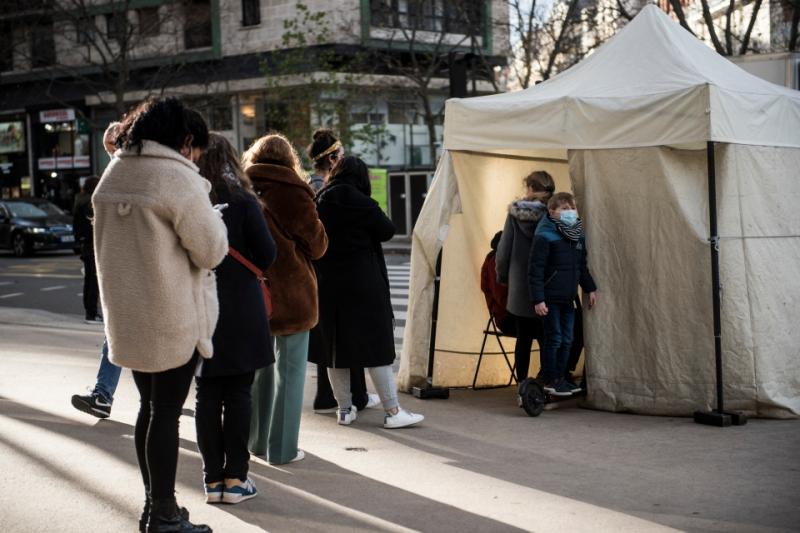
(652, 84)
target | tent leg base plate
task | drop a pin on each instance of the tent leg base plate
(720, 418)
(428, 393)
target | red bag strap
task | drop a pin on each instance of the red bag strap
(243, 260)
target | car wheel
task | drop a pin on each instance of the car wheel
(20, 247)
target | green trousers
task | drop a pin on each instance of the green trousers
(278, 400)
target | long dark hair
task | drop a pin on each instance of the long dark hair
(162, 120)
(353, 171)
(220, 165)
(323, 139)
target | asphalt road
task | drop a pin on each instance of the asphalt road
(51, 281)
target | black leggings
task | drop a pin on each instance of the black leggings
(527, 329)
(222, 417)
(161, 397)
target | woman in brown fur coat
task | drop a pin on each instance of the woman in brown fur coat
(273, 166)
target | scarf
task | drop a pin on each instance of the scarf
(572, 233)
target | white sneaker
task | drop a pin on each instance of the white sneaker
(346, 417)
(402, 419)
(373, 400)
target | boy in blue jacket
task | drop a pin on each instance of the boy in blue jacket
(556, 267)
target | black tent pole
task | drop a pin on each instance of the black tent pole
(717, 417)
(429, 391)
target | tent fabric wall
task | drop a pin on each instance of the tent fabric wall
(649, 342)
(474, 191)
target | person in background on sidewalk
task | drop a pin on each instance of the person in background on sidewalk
(100, 398)
(512, 258)
(272, 165)
(355, 305)
(157, 237)
(557, 267)
(82, 223)
(242, 340)
(325, 150)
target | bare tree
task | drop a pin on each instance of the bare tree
(419, 46)
(548, 38)
(725, 46)
(102, 47)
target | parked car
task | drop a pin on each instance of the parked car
(24, 228)
(55, 212)
(48, 207)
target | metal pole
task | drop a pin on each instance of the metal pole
(717, 417)
(715, 284)
(429, 391)
(434, 315)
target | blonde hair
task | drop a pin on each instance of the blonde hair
(274, 149)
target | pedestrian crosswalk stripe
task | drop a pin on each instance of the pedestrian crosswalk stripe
(403, 302)
(403, 292)
(53, 288)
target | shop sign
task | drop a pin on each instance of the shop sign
(64, 162)
(81, 161)
(47, 163)
(57, 115)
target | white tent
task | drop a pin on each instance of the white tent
(627, 129)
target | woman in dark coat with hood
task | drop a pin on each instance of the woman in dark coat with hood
(242, 340)
(512, 263)
(356, 318)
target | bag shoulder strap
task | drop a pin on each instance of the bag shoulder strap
(244, 261)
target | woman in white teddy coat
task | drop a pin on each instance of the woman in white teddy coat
(156, 238)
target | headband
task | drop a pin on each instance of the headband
(332, 148)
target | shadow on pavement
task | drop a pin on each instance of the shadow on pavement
(312, 495)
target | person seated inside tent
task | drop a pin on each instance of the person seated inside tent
(556, 268)
(496, 293)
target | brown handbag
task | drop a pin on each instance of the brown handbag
(261, 276)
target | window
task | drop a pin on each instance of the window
(43, 48)
(402, 113)
(117, 26)
(6, 48)
(220, 118)
(84, 30)
(251, 12)
(367, 118)
(149, 21)
(451, 16)
(197, 28)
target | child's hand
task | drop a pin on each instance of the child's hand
(592, 299)
(541, 308)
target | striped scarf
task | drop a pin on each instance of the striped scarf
(572, 233)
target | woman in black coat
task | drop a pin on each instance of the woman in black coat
(356, 318)
(242, 340)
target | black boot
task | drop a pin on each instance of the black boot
(146, 515)
(165, 517)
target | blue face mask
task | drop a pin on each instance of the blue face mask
(569, 217)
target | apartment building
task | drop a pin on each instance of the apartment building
(69, 67)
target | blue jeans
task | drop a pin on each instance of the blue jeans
(558, 324)
(107, 376)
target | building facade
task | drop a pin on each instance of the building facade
(373, 70)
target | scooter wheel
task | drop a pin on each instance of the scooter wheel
(532, 396)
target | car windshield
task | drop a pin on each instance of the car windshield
(47, 207)
(24, 210)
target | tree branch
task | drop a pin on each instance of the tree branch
(746, 38)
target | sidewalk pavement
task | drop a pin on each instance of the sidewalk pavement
(477, 463)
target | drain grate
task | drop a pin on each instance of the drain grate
(355, 449)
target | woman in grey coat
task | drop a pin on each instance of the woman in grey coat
(512, 263)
